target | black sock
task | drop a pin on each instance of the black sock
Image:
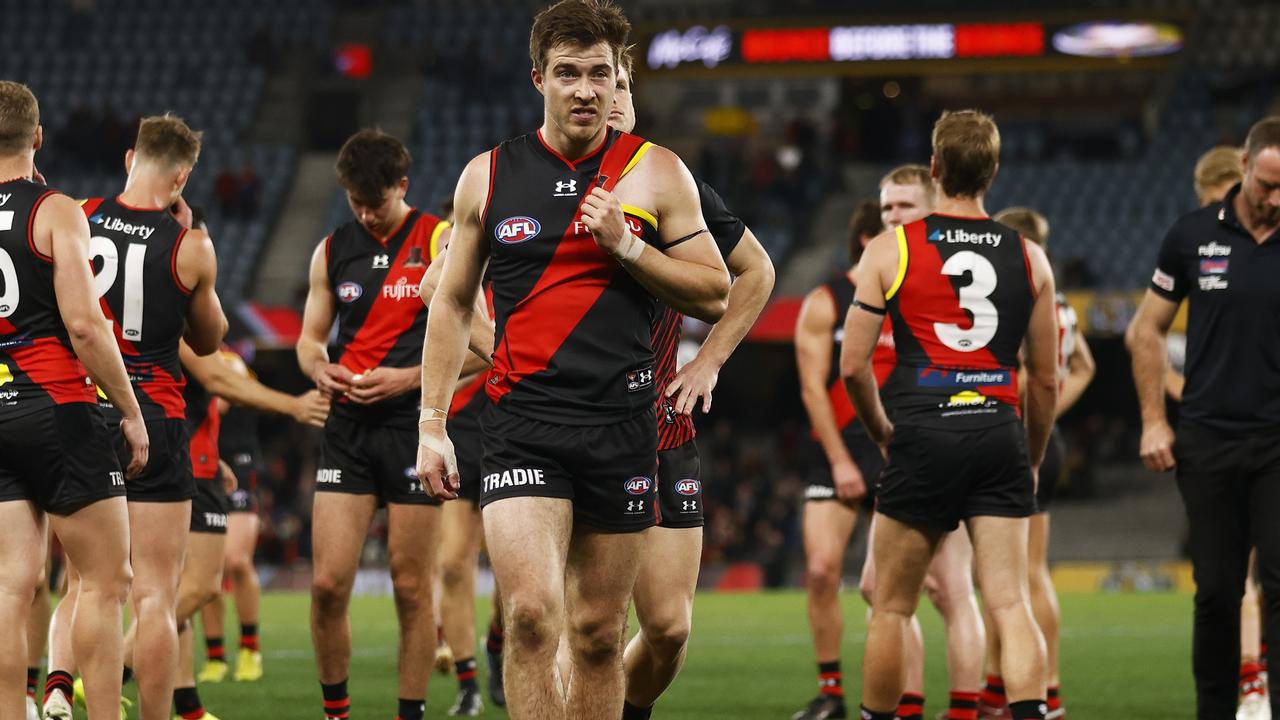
(1027, 710)
(830, 680)
(126, 675)
(33, 680)
(411, 709)
(872, 715)
(635, 712)
(337, 704)
(249, 635)
(187, 702)
(466, 671)
(57, 680)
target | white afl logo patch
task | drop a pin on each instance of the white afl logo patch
(518, 229)
(349, 292)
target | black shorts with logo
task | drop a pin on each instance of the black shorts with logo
(364, 459)
(167, 476)
(1055, 459)
(866, 455)
(937, 477)
(209, 507)
(245, 497)
(680, 487)
(61, 458)
(607, 471)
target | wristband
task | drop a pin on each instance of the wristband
(432, 414)
(629, 249)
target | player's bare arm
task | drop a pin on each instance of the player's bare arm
(862, 324)
(814, 328)
(198, 270)
(687, 274)
(1080, 371)
(753, 277)
(1041, 356)
(448, 327)
(62, 232)
(331, 379)
(1146, 339)
(480, 342)
(222, 378)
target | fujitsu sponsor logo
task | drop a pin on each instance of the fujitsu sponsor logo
(1213, 249)
(401, 289)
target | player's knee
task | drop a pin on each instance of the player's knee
(668, 636)
(411, 592)
(329, 593)
(454, 572)
(822, 576)
(113, 584)
(239, 567)
(595, 641)
(530, 624)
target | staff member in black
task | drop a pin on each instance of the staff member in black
(1225, 260)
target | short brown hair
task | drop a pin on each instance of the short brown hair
(909, 175)
(1264, 134)
(1029, 224)
(19, 117)
(966, 144)
(627, 61)
(1219, 165)
(864, 222)
(370, 162)
(581, 23)
(167, 139)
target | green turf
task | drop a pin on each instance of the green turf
(1124, 656)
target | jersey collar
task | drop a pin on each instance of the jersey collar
(552, 154)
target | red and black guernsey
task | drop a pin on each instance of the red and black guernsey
(573, 336)
(134, 252)
(959, 306)
(883, 358)
(676, 429)
(203, 424)
(38, 368)
(381, 319)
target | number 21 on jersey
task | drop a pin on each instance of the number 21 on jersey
(131, 315)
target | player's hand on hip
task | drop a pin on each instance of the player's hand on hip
(437, 464)
(135, 436)
(229, 480)
(850, 487)
(332, 379)
(311, 408)
(602, 214)
(1157, 446)
(381, 383)
(695, 380)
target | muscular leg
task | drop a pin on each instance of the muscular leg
(411, 550)
(528, 540)
(61, 656)
(1000, 551)
(339, 523)
(950, 587)
(38, 620)
(242, 540)
(96, 539)
(664, 588)
(902, 555)
(913, 650)
(460, 532)
(1044, 598)
(212, 621)
(159, 532)
(827, 527)
(22, 556)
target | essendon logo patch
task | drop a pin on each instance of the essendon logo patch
(518, 229)
(638, 485)
(349, 292)
(688, 487)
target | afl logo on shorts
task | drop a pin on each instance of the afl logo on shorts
(687, 487)
(518, 229)
(638, 485)
(349, 292)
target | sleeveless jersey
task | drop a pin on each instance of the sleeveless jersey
(381, 320)
(38, 368)
(1068, 324)
(135, 260)
(883, 357)
(676, 429)
(203, 423)
(959, 308)
(573, 338)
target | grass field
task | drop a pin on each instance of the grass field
(1124, 656)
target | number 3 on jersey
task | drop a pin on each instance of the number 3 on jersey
(131, 317)
(973, 297)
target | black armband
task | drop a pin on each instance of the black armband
(870, 308)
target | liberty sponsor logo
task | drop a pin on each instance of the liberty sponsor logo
(517, 477)
(518, 229)
(330, 476)
(1214, 249)
(349, 292)
(566, 188)
(955, 235)
(1162, 280)
(381, 262)
(117, 225)
(401, 289)
(688, 487)
(5, 198)
(638, 485)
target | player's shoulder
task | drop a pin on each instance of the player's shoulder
(1192, 226)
